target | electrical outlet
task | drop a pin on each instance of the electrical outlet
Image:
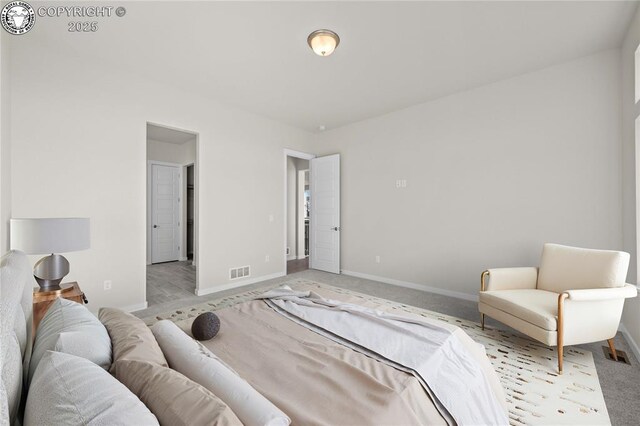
(107, 285)
(266, 258)
(377, 259)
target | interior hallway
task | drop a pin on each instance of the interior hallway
(170, 281)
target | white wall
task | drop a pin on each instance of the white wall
(492, 174)
(5, 145)
(183, 154)
(79, 149)
(630, 111)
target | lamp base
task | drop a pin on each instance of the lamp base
(49, 272)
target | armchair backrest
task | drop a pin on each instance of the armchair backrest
(572, 268)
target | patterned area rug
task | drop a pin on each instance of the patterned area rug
(536, 394)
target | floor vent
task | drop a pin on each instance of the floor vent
(622, 356)
(241, 272)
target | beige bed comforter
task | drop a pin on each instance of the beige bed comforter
(317, 381)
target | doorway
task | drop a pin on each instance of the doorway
(171, 214)
(298, 204)
(317, 212)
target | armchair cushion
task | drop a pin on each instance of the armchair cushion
(570, 268)
(595, 294)
(512, 278)
(537, 307)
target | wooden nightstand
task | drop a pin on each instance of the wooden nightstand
(42, 300)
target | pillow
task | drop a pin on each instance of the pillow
(200, 365)
(570, 268)
(16, 288)
(173, 398)
(131, 338)
(69, 327)
(69, 390)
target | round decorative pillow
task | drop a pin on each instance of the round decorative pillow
(205, 326)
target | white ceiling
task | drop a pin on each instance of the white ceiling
(164, 134)
(392, 55)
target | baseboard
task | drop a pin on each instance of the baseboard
(632, 343)
(136, 307)
(414, 286)
(182, 259)
(302, 257)
(237, 284)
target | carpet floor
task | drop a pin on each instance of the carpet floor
(620, 383)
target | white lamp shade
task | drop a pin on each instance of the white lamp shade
(50, 235)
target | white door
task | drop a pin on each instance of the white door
(165, 186)
(325, 214)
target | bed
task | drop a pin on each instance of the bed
(310, 376)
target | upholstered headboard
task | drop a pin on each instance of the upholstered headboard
(16, 313)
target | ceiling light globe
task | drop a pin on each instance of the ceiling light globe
(323, 42)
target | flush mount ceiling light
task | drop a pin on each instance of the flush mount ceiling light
(323, 42)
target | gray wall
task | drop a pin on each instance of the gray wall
(183, 154)
(5, 144)
(630, 111)
(98, 137)
(492, 174)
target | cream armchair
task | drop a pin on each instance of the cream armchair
(575, 296)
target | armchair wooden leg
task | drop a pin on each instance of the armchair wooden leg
(612, 348)
(561, 329)
(482, 320)
(560, 353)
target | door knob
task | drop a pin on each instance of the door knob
(335, 228)
(155, 226)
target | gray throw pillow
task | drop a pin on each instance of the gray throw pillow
(69, 327)
(69, 390)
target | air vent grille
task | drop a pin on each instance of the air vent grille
(239, 272)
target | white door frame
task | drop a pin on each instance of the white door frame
(150, 164)
(296, 154)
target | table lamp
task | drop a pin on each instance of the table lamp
(50, 235)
